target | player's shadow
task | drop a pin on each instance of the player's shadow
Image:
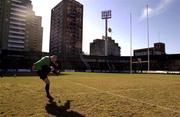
(61, 111)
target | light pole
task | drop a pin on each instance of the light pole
(106, 15)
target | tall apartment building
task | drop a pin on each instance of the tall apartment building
(35, 32)
(20, 29)
(66, 28)
(97, 47)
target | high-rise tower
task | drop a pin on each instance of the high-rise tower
(66, 28)
(19, 27)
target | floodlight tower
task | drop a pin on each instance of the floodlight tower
(106, 15)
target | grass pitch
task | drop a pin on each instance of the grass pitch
(92, 95)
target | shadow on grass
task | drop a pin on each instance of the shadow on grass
(61, 111)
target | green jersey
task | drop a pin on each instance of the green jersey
(45, 61)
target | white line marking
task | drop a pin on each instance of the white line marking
(138, 89)
(112, 91)
(125, 97)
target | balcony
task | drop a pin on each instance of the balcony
(18, 19)
(16, 32)
(19, 6)
(16, 37)
(18, 10)
(16, 41)
(17, 28)
(17, 14)
(16, 46)
(18, 1)
(16, 23)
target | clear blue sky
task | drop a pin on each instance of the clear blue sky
(164, 22)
